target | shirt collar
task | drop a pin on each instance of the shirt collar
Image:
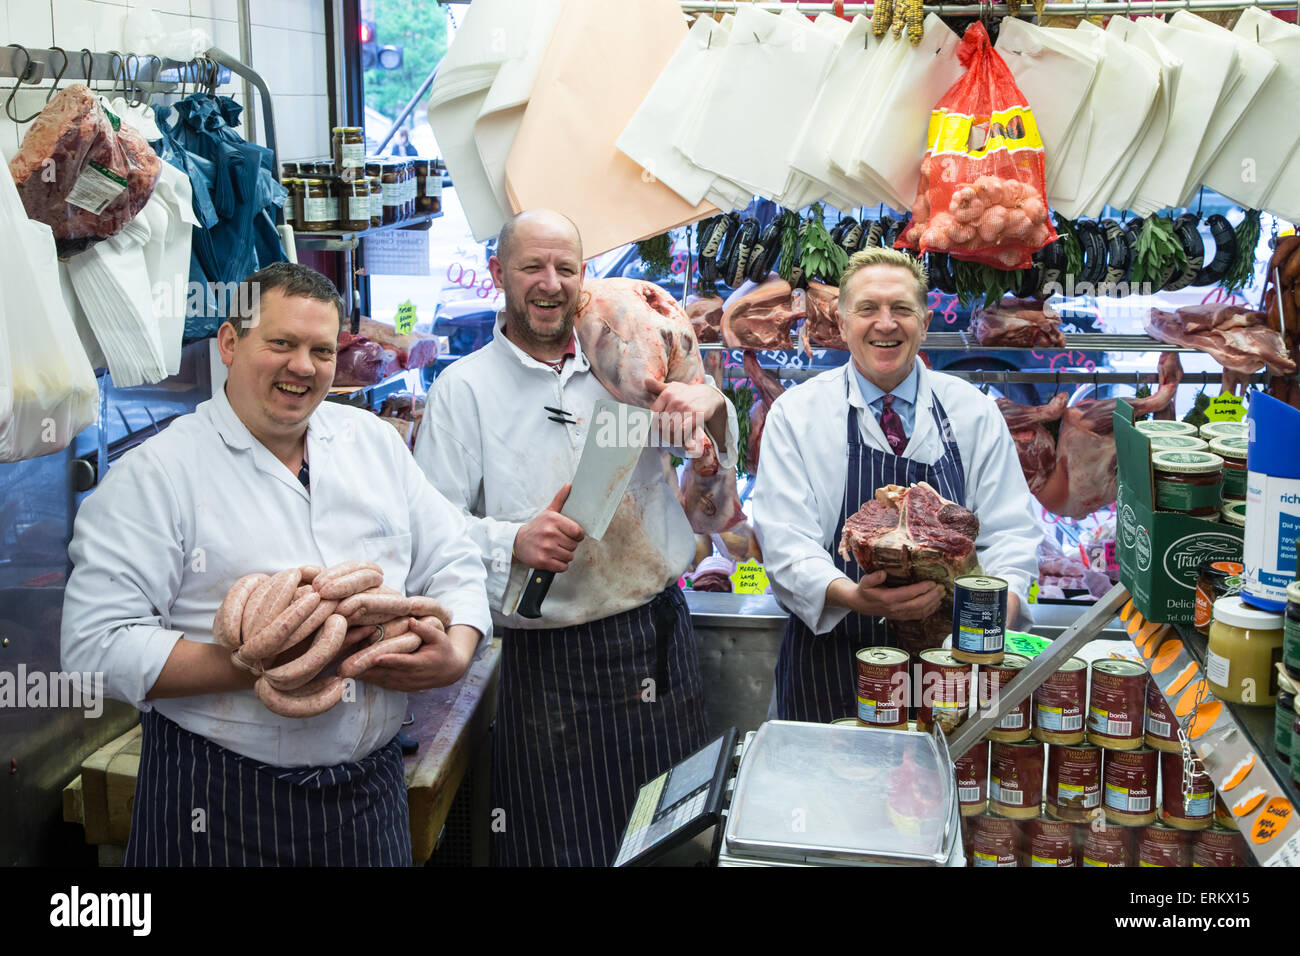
(236, 434)
(573, 352)
(905, 392)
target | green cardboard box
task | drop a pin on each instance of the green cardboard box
(1159, 551)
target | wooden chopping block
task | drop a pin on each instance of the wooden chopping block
(108, 789)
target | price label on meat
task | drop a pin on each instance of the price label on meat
(404, 321)
(1226, 408)
(749, 578)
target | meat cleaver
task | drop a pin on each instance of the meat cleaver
(616, 436)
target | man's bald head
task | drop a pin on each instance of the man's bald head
(546, 219)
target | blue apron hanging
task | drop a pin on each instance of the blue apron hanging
(816, 674)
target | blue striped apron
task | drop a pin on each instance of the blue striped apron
(254, 814)
(580, 729)
(816, 674)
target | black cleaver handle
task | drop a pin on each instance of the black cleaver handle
(530, 604)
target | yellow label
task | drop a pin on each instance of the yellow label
(749, 578)
(1044, 860)
(1226, 408)
(1145, 863)
(404, 321)
(1033, 593)
(976, 137)
(1069, 788)
(990, 857)
(1089, 861)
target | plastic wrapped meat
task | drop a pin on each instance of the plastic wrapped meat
(361, 362)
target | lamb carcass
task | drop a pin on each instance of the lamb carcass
(763, 317)
(1034, 443)
(705, 313)
(822, 328)
(1238, 337)
(1021, 323)
(632, 330)
(54, 165)
(914, 534)
(1084, 478)
(769, 389)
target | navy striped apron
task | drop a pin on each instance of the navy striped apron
(577, 733)
(816, 674)
(254, 814)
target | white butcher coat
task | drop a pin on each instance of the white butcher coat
(180, 518)
(486, 442)
(802, 470)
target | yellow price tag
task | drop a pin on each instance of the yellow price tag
(404, 321)
(749, 578)
(1226, 408)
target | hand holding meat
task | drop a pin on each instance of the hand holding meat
(874, 597)
(681, 411)
(439, 657)
(548, 541)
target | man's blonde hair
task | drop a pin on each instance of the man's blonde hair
(877, 256)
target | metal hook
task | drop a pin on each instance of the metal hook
(58, 76)
(129, 96)
(87, 64)
(115, 63)
(214, 75)
(20, 76)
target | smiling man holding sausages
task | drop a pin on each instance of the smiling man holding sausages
(266, 477)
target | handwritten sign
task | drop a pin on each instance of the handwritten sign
(749, 578)
(1029, 645)
(404, 321)
(1033, 593)
(1271, 821)
(1226, 408)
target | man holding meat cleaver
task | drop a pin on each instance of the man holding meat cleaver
(602, 692)
(828, 445)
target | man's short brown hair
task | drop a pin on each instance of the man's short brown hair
(293, 280)
(877, 256)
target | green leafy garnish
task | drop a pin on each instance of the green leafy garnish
(1158, 249)
(657, 254)
(975, 280)
(743, 400)
(1242, 270)
(1197, 415)
(789, 244)
(822, 259)
(1073, 251)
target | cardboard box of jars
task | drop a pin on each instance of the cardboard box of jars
(1160, 549)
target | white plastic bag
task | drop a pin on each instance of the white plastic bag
(48, 391)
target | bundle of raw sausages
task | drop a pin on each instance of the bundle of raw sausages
(263, 616)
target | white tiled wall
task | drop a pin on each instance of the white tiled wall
(288, 50)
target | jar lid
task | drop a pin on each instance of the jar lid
(1187, 462)
(1293, 592)
(1177, 443)
(1163, 427)
(1233, 611)
(1230, 446)
(1223, 429)
(346, 129)
(1219, 570)
(1009, 662)
(1234, 513)
(1285, 685)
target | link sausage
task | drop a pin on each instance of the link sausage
(337, 589)
(226, 623)
(327, 643)
(282, 587)
(342, 569)
(424, 606)
(274, 635)
(315, 698)
(363, 659)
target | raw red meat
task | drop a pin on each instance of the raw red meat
(1034, 443)
(72, 132)
(706, 317)
(822, 329)
(914, 534)
(1238, 337)
(1084, 478)
(413, 350)
(632, 330)
(763, 318)
(769, 390)
(361, 362)
(1017, 322)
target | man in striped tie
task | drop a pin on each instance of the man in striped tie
(883, 418)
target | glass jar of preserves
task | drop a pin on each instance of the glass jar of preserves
(1233, 513)
(1291, 633)
(315, 215)
(349, 148)
(292, 204)
(1177, 443)
(423, 202)
(408, 189)
(1188, 482)
(1153, 427)
(288, 171)
(355, 204)
(433, 188)
(1283, 716)
(1212, 430)
(1214, 579)
(1232, 449)
(376, 201)
(390, 178)
(1244, 648)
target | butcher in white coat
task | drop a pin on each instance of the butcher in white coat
(829, 443)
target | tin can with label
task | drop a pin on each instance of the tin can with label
(991, 679)
(1016, 779)
(1117, 704)
(1220, 846)
(1159, 845)
(972, 772)
(1129, 786)
(1161, 724)
(944, 694)
(1049, 843)
(1073, 781)
(979, 617)
(882, 687)
(1222, 815)
(1179, 809)
(1111, 846)
(1058, 704)
(996, 842)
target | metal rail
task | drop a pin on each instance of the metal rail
(1082, 9)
